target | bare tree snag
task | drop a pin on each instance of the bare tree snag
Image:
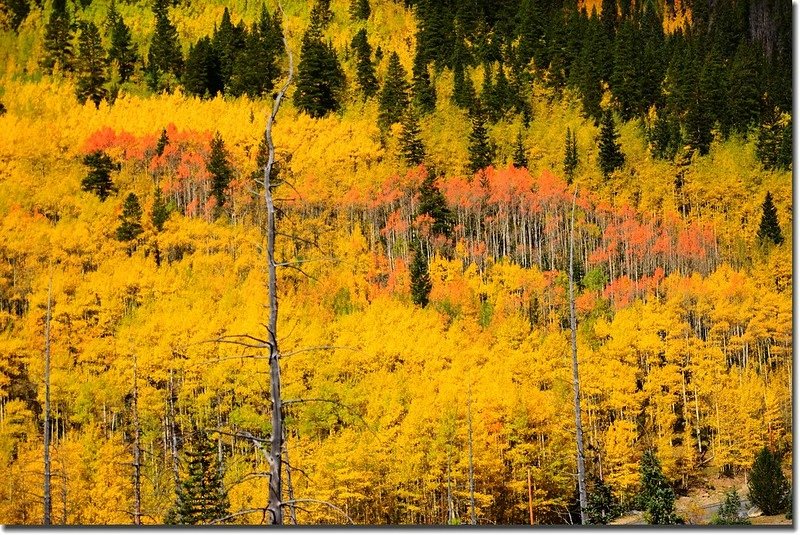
(276, 441)
(48, 500)
(576, 385)
(137, 463)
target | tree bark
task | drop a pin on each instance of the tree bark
(137, 464)
(576, 385)
(276, 440)
(48, 502)
(472, 518)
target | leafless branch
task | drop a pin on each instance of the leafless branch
(322, 502)
(239, 513)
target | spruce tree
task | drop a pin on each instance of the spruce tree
(122, 51)
(229, 41)
(769, 230)
(165, 55)
(728, 513)
(626, 79)
(664, 136)
(91, 66)
(602, 506)
(481, 152)
(321, 14)
(220, 169)
(365, 70)
(58, 39)
(161, 211)
(656, 494)
(422, 90)
(411, 147)
(570, 155)
(611, 156)
(320, 78)
(359, 9)
(520, 159)
(130, 221)
(201, 498)
(531, 31)
(744, 88)
(163, 141)
(256, 67)
(433, 203)
(16, 11)
(774, 141)
(767, 486)
(201, 75)
(420, 277)
(394, 94)
(463, 90)
(98, 180)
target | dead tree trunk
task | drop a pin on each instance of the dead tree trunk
(276, 440)
(576, 385)
(48, 501)
(137, 463)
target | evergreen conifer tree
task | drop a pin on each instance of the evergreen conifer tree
(201, 497)
(420, 276)
(463, 90)
(570, 155)
(321, 14)
(365, 70)
(122, 50)
(16, 11)
(422, 90)
(656, 495)
(728, 513)
(767, 486)
(130, 221)
(744, 86)
(774, 141)
(664, 135)
(256, 66)
(627, 78)
(433, 203)
(531, 31)
(58, 39)
(611, 156)
(320, 78)
(220, 169)
(481, 152)
(769, 230)
(201, 74)
(394, 94)
(165, 55)
(163, 141)
(98, 180)
(602, 506)
(359, 9)
(411, 147)
(160, 213)
(91, 66)
(520, 159)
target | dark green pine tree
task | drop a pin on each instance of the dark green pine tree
(433, 203)
(664, 136)
(201, 498)
(394, 94)
(504, 97)
(320, 78)
(321, 14)
(411, 146)
(160, 212)
(359, 9)
(531, 30)
(744, 88)
(165, 55)
(770, 229)
(16, 11)
(420, 277)
(488, 96)
(627, 77)
(58, 39)
(435, 35)
(229, 42)
(201, 76)
(256, 67)
(98, 180)
(163, 141)
(774, 141)
(570, 155)
(122, 51)
(602, 506)
(422, 90)
(656, 495)
(611, 156)
(463, 90)
(220, 170)
(609, 17)
(520, 159)
(130, 221)
(712, 92)
(768, 488)
(481, 151)
(365, 70)
(91, 66)
(591, 67)
(728, 513)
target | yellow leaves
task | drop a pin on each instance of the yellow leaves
(622, 454)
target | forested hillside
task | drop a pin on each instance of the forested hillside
(429, 159)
